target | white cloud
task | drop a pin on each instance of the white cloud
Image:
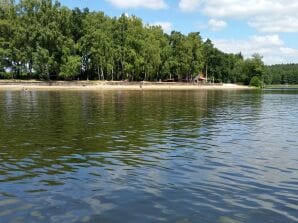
(217, 25)
(240, 8)
(189, 5)
(166, 26)
(270, 46)
(149, 4)
(275, 24)
(273, 16)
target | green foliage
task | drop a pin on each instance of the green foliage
(44, 40)
(282, 74)
(43, 63)
(71, 68)
(255, 82)
(253, 67)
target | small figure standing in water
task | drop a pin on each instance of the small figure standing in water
(25, 89)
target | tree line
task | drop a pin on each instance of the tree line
(283, 73)
(44, 40)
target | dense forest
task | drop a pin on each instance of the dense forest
(40, 39)
(283, 73)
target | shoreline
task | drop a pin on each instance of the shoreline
(112, 85)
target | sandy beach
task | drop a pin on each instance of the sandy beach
(112, 85)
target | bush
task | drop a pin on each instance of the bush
(71, 68)
(255, 82)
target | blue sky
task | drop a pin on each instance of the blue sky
(268, 27)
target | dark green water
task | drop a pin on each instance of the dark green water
(126, 156)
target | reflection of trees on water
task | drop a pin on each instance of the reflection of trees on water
(46, 126)
(136, 151)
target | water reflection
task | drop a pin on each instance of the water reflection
(183, 156)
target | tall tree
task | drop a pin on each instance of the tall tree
(42, 39)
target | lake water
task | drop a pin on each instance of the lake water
(153, 156)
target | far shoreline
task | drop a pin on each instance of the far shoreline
(112, 85)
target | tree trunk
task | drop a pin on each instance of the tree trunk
(102, 75)
(98, 74)
(112, 73)
(206, 73)
(30, 69)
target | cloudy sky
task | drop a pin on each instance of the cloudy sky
(269, 27)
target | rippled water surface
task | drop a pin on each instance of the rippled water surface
(132, 156)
